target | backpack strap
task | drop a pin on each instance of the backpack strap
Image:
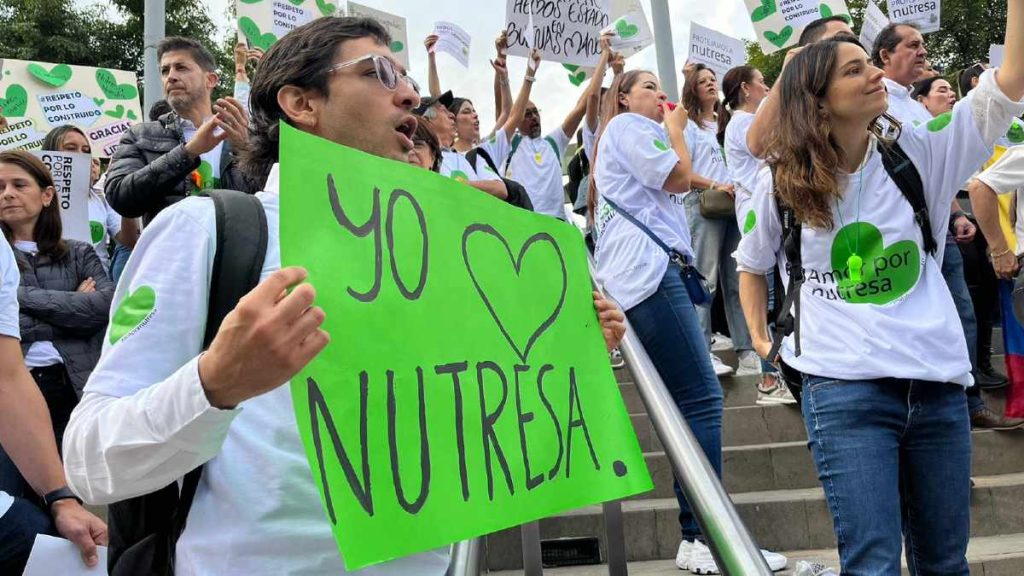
(479, 151)
(237, 262)
(516, 141)
(786, 323)
(554, 146)
(903, 172)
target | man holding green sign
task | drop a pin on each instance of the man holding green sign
(401, 437)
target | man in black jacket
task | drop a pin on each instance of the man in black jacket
(191, 148)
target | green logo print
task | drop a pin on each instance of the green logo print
(661, 145)
(750, 222)
(397, 46)
(938, 123)
(459, 176)
(888, 272)
(133, 312)
(96, 231)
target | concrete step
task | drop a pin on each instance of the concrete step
(741, 426)
(796, 519)
(738, 391)
(988, 556)
(787, 465)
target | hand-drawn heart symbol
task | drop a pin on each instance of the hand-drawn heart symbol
(517, 262)
(780, 38)
(117, 112)
(15, 101)
(256, 38)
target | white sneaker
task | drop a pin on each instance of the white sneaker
(702, 562)
(720, 342)
(615, 357)
(683, 554)
(773, 391)
(721, 368)
(750, 363)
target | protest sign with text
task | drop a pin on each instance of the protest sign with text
(715, 50)
(70, 173)
(447, 404)
(874, 22)
(779, 23)
(925, 14)
(396, 27)
(39, 96)
(263, 22)
(629, 22)
(566, 31)
(452, 39)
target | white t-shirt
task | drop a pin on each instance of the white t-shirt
(257, 510)
(742, 166)
(633, 161)
(1007, 176)
(899, 320)
(209, 163)
(40, 353)
(908, 111)
(456, 167)
(706, 156)
(538, 167)
(9, 325)
(104, 224)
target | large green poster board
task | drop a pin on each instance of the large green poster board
(466, 387)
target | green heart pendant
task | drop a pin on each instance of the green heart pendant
(855, 265)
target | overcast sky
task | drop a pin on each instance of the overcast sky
(484, 19)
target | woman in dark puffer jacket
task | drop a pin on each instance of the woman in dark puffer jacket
(64, 295)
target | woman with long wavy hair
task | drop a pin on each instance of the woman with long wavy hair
(640, 171)
(878, 341)
(714, 238)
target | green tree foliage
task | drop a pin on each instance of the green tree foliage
(968, 28)
(110, 36)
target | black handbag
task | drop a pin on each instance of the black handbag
(696, 285)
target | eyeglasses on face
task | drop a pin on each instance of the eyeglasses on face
(384, 68)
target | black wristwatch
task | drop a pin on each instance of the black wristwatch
(62, 493)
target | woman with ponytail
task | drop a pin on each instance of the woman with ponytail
(714, 238)
(641, 169)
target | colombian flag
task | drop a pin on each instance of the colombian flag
(1013, 332)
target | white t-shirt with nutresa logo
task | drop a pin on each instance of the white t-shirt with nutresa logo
(898, 319)
(633, 161)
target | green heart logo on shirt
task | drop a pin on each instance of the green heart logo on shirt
(766, 9)
(779, 38)
(939, 122)
(661, 145)
(750, 222)
(206, 178)
(625, 29)
(1016, 133)
(113, 90)
(256, 37)
(133, 311)
(397, 46)
(96, 231)
(888, 272)
(15, 101)
(56, 76)
(459, 176)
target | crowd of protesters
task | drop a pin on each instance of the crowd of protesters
(780, 202)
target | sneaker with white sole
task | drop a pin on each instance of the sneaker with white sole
(721, 368)
(615, 357)
(683, 554)
(720, 342)
(749, 364)
(773, 391)
(702, 562)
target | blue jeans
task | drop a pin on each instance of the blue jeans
(667, 325)
(953, 272)
(894, 459)
(714, 241)
(18, 529)
(118, 261)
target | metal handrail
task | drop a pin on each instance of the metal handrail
(730, 542)
(466, 558)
